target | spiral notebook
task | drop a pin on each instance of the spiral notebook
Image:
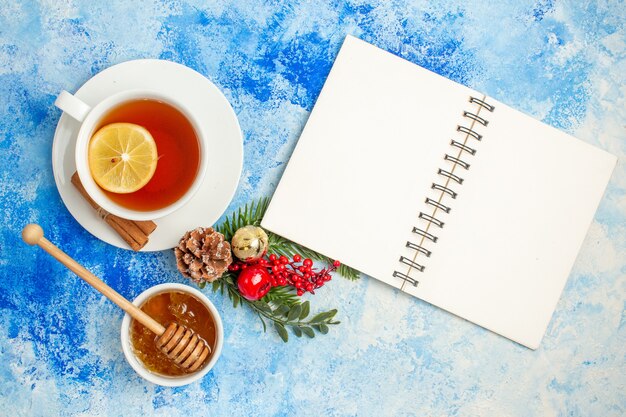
(440, 191)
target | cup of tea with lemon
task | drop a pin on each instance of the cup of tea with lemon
(140, 154)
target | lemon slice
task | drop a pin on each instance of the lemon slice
(122, 157)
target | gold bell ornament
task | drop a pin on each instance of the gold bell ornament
(250, 243)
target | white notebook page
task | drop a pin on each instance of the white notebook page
(372, 146)
(364, 159)
(511, 238)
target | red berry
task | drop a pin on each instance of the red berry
(275, 269)
(272, 257)
(307, 263)
(336, 264)
(254, 282)
(301, 268)
(297, 258)
(283, 259)
(309, 287)
(300, 292)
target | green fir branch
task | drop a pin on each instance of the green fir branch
(282, 295)
(252, 214)
(282, 307)
(280, 246)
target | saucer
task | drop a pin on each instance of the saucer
(208, 105)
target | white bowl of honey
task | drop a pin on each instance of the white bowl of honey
(171, 303)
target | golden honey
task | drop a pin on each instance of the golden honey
(167, 307)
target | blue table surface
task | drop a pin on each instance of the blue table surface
(563, 62)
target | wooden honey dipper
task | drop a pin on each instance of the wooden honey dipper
(180, 344)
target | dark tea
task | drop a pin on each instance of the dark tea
(167, 307)
(177, 147)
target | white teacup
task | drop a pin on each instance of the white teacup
(90, 117)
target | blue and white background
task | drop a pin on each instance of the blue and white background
(563, 62)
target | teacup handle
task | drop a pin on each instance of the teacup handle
(73, 106)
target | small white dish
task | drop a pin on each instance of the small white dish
(139, 367)
(209, 107)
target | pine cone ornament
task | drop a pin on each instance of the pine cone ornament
(203, 255)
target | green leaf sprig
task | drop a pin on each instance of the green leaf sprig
(281, 305)
(252, 214)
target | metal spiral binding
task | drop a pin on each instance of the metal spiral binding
(444, 189)
(437, 204)
(469, 131)
(448, 176)
(456, 161)
(425, 234)
(411, 263)
(476, 118)
(407, 278)
(431, 219)
(418, 248)
(463, 147)
(482, 104)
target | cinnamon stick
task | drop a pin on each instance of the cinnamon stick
(135, 233)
